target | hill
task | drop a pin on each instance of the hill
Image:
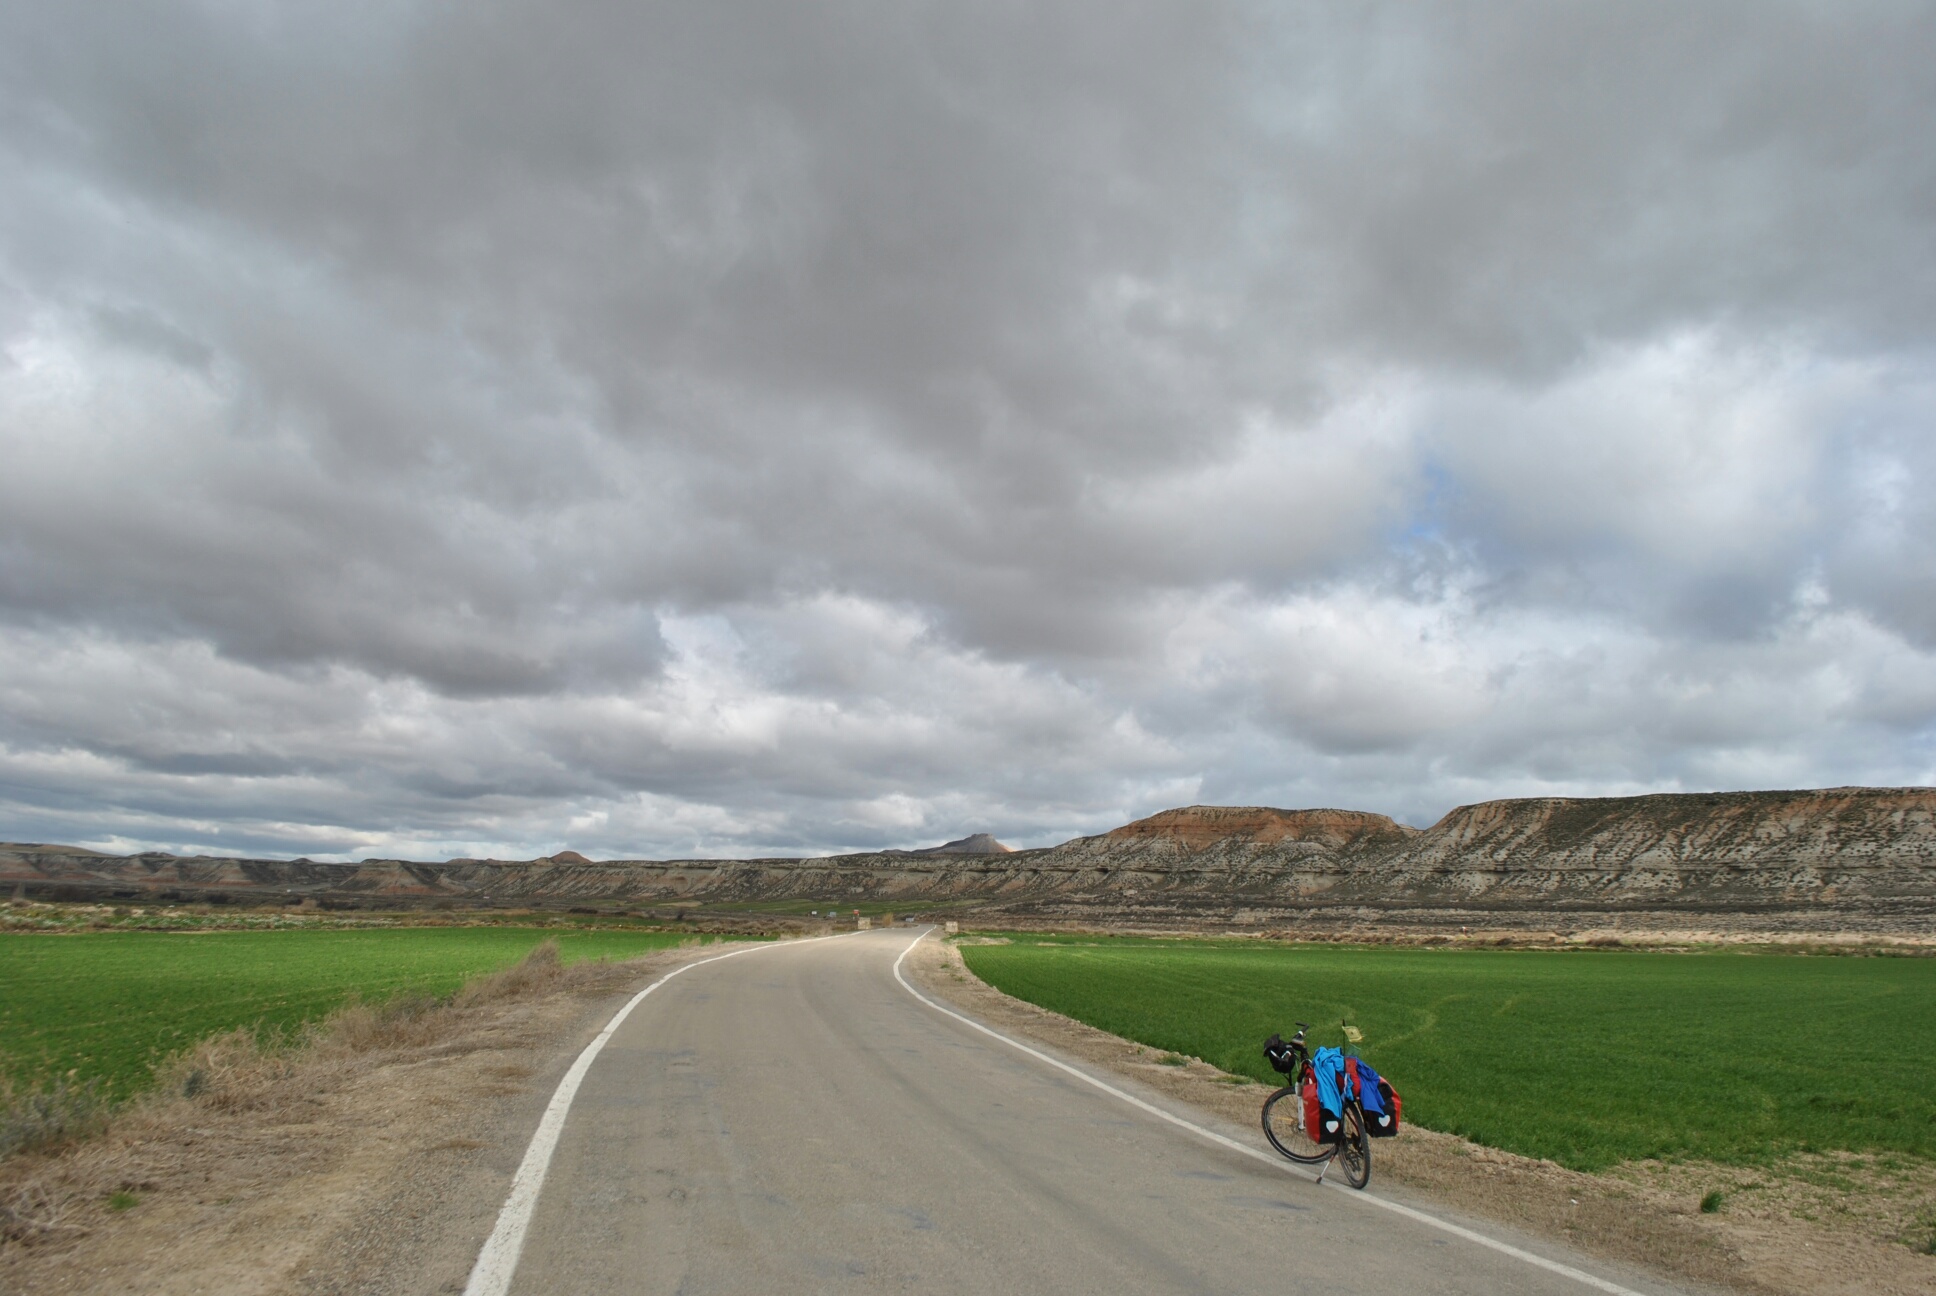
(976, 844)
(1833, 859)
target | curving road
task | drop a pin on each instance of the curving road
(795, 1119)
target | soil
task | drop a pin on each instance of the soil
(1819, 1226)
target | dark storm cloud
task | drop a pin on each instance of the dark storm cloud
(670, 428)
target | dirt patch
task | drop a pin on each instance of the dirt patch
(373, 1158)
(1824, 1226)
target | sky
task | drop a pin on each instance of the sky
(652, 429)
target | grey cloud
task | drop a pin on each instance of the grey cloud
(1501, 187)
(143, 330)
(760, 426)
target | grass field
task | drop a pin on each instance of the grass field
(109, 1005)
(1584, 1058)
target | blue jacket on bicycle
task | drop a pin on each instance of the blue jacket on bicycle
(1368, 1095)
(1327, 1067)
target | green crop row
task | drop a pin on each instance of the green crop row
(1587, 1059)
(107, 1006)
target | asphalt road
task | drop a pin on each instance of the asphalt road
(794, 1120)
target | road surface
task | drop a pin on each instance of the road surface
(793, 1119)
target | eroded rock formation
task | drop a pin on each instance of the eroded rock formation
(1197, 828)
(1833, 857)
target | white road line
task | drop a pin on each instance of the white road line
(498, 1261)
(1257, 1154)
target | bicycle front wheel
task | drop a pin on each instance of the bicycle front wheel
(1354, 1146)
(1284, 1127)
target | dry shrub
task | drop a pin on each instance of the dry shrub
(49, 1114)
(543, 972)
(231, 1072)
(403, 1022)
(540, 970)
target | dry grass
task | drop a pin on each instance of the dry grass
(1879, 1201)
(70, 1155)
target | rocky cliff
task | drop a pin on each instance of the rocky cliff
(1198, 828)
(1836, 856)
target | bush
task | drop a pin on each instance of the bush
(48, 1114)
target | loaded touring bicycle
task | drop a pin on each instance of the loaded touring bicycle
(1330, 1109)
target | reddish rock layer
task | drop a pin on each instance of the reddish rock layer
(1196, 828)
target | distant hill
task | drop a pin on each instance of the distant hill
(1814, 860)
(978, 844)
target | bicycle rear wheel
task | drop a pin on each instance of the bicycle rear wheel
(1284, 1127)
(1354, 1146)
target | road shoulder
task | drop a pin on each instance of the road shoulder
(1655, 1226)
(349, 1169)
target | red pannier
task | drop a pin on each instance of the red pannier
(1316, 1118)
(1379, 1124)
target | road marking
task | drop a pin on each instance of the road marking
(1351, 1194)
(498, 1261)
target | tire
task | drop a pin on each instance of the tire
(1284, 1127)
(1354, 1146)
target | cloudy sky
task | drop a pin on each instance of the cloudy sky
(438, 428)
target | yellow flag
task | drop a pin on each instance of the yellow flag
(1353, 1034)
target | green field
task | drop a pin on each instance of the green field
(1586, 1058)
(109, 1005)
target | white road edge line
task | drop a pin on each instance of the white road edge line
(1255, 1154)
(498, 1261)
